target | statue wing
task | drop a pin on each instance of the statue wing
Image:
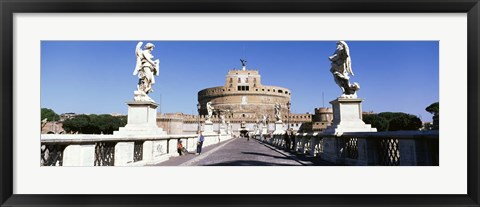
(139, 54)
(348, 60)
(156, 67)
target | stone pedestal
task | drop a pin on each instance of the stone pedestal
(208, 128)
(142, 119)
(223, 129)
(264, 130)
(347, 117)
(279, 127)
(229, 131)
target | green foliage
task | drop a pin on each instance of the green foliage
(49, 114)
(405, 122)
(393, 121)
(434, 108)
(94, 124)
(390, 115)
(376, 121)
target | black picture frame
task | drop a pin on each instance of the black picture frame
(10, 7)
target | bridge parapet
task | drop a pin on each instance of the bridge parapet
(115, 150)
(404, 148)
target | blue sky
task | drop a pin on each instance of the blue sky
(96, 76)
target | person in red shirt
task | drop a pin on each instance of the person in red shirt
(180, 149)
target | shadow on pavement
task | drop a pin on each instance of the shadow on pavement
(247, 163)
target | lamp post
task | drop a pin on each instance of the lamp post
(288, 118)
(198, 109)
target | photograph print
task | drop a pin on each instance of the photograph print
(239, 103)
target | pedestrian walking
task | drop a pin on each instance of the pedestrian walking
(200, 143)
(287, 141)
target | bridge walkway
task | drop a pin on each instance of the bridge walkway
(243, 152)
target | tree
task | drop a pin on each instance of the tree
(376, 121)
(404, 122)
(434, 109)
(49, 114)
(390, 115)
(396, 121)
(94, 124)
(78, 124)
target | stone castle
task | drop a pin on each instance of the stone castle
(243, 101)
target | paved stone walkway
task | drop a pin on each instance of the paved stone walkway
(242, 152)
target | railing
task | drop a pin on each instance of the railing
(115, 150)
(405, 148)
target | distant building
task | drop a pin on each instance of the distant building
(52, 127)
(243, 101)
(66, 116)
(244, 96)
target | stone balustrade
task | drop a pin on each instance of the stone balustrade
(115, 150)
(405, 148)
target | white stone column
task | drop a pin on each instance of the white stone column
(208, 128)
(172, 147)
(124, 153)
(279, 128)
(79, 155)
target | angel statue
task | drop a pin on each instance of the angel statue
(146, 68)
(264, 119)
(222, 119)
(210, 111)
(341, 68)
(277, 112)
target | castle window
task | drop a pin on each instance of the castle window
(231, 80)
(243, 115)
(263, 89)
(247, 87)
(255, 85)
(268, 90)
(280, 91)
(238, 80)
(228, 89)
(246, 80)
(286, 92)
(231, 85)
(254, 80)
(256, 89)
(239, 88)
